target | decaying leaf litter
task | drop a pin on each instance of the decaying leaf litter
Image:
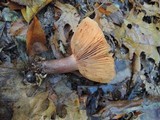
(40, 30)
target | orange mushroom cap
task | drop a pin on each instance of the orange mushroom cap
(91, 51)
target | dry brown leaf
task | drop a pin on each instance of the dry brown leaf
(102, 10)
(30, 11)
(70, 17)
(18, 28)
(14, 6)
(35, 37)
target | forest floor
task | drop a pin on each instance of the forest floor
(131, 29)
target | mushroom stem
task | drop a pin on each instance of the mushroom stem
(63, 65)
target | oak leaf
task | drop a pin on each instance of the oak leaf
(140, 37)
(69, 17)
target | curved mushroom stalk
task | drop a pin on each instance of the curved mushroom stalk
(64, 65)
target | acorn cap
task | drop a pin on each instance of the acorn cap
(91, 51)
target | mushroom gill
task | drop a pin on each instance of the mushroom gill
(91, 51)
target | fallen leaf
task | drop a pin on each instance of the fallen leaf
(150, 51)
(9, 15)
(70, 99)
(18, 28)
(38, 107)
(118, 108)
(35, 34)
(119, 116)
(151, 9)
(102, 10)
(47, 114)
(106, 25)
(152, 88)
(30, 11)
(14, 6)
(69, 17)
(112, 7)
(142, 32)
(26, 2)
(55, 46)
(140, 37)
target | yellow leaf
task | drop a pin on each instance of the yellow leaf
(150, 51)
(141, 31)
(140, 37)
(38, 107)
(30, 11)
(47, 114)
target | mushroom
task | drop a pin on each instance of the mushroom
(90, 55)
